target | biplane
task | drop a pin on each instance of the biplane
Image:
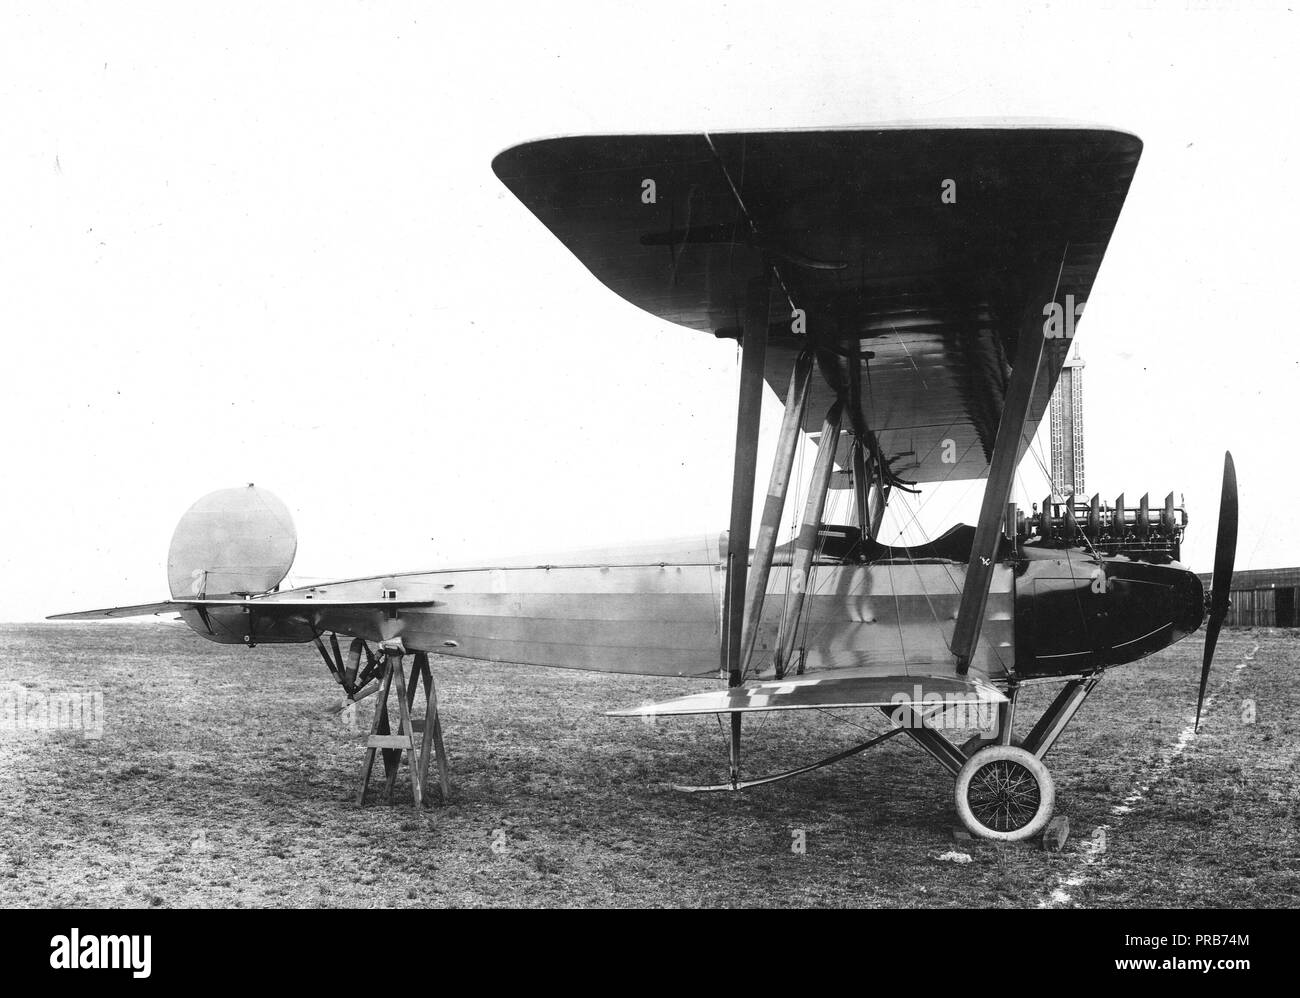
(910, 293)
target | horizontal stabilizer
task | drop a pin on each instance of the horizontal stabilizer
(268, 605)
(827, 692)
(116, 612)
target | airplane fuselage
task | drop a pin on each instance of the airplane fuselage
(1050, 612)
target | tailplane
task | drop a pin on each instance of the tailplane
(228, 556)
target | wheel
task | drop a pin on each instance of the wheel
(1004, 793)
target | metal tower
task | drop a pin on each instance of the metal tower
(1067, 429)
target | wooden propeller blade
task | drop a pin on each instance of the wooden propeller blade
(1225, 552)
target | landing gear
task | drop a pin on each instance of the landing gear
(1005, 793)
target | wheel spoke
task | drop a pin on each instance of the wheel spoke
(1004, 795)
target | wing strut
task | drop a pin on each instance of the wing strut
(806, 544)
(1002, 470)
(861, 486)
(858, 454)
(748, 409)
(782, 464)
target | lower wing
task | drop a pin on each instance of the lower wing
(828, 692)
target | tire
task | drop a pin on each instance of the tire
(1004, 793)
(976, 742)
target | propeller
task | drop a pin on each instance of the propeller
(1225, 550)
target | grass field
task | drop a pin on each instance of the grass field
(219, 778)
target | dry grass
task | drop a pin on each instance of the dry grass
(219, 781)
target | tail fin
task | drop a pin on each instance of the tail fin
(231, 542)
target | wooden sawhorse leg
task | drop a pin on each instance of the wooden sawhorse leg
(432, 727)
(393, 745)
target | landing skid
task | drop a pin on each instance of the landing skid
(349, 674)
(746, 784)
(355, 698)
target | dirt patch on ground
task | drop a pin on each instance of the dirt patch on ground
(218, 778)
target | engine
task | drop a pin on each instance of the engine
(1100, 585)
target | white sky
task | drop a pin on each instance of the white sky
(263, 243)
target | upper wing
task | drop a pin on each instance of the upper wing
(857, 230)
